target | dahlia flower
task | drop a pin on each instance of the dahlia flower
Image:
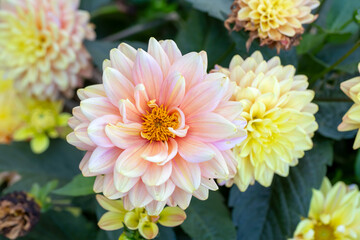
(41, 44)
(334, 214)
(138, 218)
(280, 117)
(11, 106)
(277, 23)
(41, 120)
(159, 129)
(351, 120)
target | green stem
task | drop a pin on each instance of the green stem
(332, 67)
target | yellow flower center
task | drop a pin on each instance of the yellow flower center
(42, 119)
(323, 232)
(157, 123)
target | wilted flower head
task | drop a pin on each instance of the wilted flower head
(11, 106)
(138, 218)
(18, 214)
(334, 214)
(351, 120)
(280, 117)
(41, 44)
(159, 129)
(41, 120)
(277, 23)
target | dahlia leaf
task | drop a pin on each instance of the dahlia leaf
(219, 9)
(209, 220)
(79, 186)
(273, 213)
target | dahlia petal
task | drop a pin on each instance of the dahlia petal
(111, 221)
(191, 66)
(139, 196)
(98, 184)
(141, 98)
(92, 91)
(155, 207)
(159, 55)
(130, 163)
(156, 152)
(123, 184)
(180, 198)
(117, 86)
(229, 109)
(81, 133)
(162, 192)
(129, 112)
(211, 127)
(172, 217)
(171, 49)
(185, 175)
(148, 72)
(195, 101)
(209, 183)
(194, 151)
(121, 62)
(172, 90)
(157, 174)
(96, 130)
(216, 167)
(201, 193)
(128, 50)
(109, 189)
(94, 108)
(102, 160)
(84, 165)
(124, 135)
(110, 205)
(78, 114)
(148, 230)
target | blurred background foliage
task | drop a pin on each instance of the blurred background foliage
(328, 54)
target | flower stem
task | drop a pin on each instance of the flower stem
(327, 70)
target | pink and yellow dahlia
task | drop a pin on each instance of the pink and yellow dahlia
(41, 44)
(277, 23)
(351, 120)
(280, 118)
(159, 129)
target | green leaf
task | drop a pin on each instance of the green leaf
(219, 9)
(311, 42)
(273, 213)
(60, 161)
(41, 194)
(357, 166)
(209, 220)
(340, 14)
(100, 50)
(79, 186)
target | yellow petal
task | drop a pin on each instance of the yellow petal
(148, 230)
(131, 220)
(111, 205)
(111, 221)
(39, 144)
(172, 216)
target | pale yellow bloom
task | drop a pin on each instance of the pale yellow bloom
(41, 44)
(137, 219)
(351, 120)
(334, 214)
(278, 23)
(280, 118)
(11, 105)
(41, 120)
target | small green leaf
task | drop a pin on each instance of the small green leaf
(79, 186)
(209, 220)
(219, 9)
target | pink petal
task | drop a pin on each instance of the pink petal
(209, 183)
(216, 167)
(185, 175)
(121, 62)
(129, 112)
(204, 97)
(191, 66)
(74, 122)
(94, 108)
(148, 72)
(81, 133)
(75, 141)
(102, 160)
(172, 149)
(109, 189)
(210, 127)
(229, 143)
(201, 193)
(99, 184)
(156, 51)
(117, 86)
(138, 195)
(124, 184)
(171, 50)
(231, 162)
(128, 50)
(96, 130)
(92, 91)
(78, 114)
(229, 91)
(172, 90)
(127, 203)
(161, 192)
(229, 109)
(194, 151)
(130, 163)
(180, 198)
(157, 174)
(156, 152)
(84, 165)
(155, 207)
(125, 135)
(141, 98)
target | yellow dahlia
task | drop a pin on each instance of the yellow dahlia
(137, 219)
(280, 117)
(277, 23)
(334, 214)
(41, 44)
(351, 120)
(11, 105)
(41, 120)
